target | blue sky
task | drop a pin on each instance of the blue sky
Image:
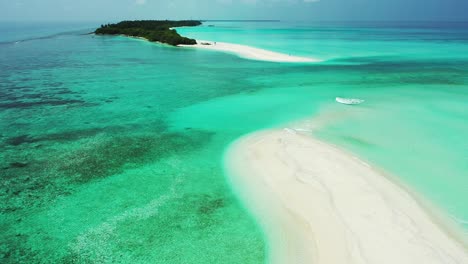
(321, 10)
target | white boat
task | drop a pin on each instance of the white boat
(349, 101)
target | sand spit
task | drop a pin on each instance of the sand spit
(249, 52)
(318, 204)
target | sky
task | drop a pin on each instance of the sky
(315, 10)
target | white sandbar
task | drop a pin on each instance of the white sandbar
(319, 204)
(249, 52)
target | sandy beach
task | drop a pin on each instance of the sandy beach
(249, 52)
(319, 204)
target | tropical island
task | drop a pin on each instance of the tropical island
(152, 30)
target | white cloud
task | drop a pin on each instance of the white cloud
(140, 2)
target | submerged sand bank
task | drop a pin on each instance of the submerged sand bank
(319, 204)
(249, 52)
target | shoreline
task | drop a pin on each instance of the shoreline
(318, 204)
(249, 52)
(243, 51)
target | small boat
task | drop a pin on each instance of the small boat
(349, 101)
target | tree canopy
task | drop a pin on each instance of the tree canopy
(152, 30)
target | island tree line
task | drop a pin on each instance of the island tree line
(152, 30)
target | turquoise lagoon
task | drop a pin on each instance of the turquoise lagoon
(112, 147)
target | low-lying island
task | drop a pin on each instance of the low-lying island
(163, 31)
(152, 30)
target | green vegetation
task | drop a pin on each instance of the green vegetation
(152, 30)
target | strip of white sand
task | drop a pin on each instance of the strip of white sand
(319, 204)
(249, 52)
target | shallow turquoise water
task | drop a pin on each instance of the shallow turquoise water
(335, 41)
(112, 147)
(414, 79)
